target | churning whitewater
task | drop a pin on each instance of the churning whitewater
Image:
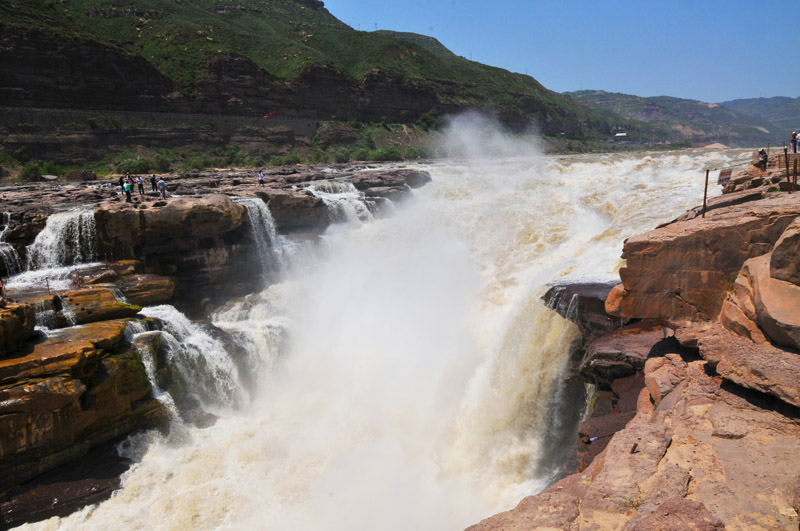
(403, 375)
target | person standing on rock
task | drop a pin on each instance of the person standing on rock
(122, 183)
(793, 141)
(127, 188)
(153, 182)
(762, 160)
(140, 184)
(261, 178)
(162, 188)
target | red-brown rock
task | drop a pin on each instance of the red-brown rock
(760, 366)
(709, 456)
(785, 263)
(17, 322)
(67, 394)
(683, 270)
(776, 303)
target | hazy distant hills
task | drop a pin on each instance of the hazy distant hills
(780, 110)
(682, 118)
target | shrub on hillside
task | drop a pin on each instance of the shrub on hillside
(360, 154)
(412, 153)
(30, 172)
(342, 155)
(285, 160)
(135, 166)
(161, 163)
(50, 168)
(387, 153)
(255, 162)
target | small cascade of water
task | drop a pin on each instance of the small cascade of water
(258, 323)
(8, 255)
(68, 313)
(67, 238)
(134, 329)
(211, 373)
(345, 203)
(269, 244)
(45, 315)
(118, 295)
(58, 278)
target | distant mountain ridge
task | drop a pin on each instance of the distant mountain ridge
(780, 110)
(683, 118)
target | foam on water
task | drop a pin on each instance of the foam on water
(403, 381)
(345, 203)
(211, 373)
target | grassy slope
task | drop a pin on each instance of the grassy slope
(781, 110)
(677, 117)
(283, 37)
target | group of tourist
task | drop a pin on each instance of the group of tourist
(126, 183)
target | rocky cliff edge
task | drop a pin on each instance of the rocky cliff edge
(704, 428)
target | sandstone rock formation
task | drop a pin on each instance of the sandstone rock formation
(17, 322)
(68, 393)
(714, 439)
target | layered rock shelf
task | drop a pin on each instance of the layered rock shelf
(697, 420)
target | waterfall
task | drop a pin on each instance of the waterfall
(8, 255)
(135, 329)
(210, 371)
(271, 246)
(67, 238)
(413, 369)
(45, 315)
(345, 203)
(259, 324)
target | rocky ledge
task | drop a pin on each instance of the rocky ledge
(700, 428)
(201, 235)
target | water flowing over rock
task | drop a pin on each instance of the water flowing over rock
(414, 348)
(270, 246)
(721, 410)
(344, 202)
(8, 255)
(584, 305)
(68, 238)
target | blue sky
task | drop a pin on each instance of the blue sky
(706, 50)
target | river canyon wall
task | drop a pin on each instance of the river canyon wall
(696, 423)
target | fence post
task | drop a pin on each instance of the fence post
(794, 183)
(788, 179)
(705, 194)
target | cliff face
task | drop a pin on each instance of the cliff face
(47, 70)
(705, 434)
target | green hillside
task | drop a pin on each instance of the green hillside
(283, 37)
(679, 118)
(781, 110)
